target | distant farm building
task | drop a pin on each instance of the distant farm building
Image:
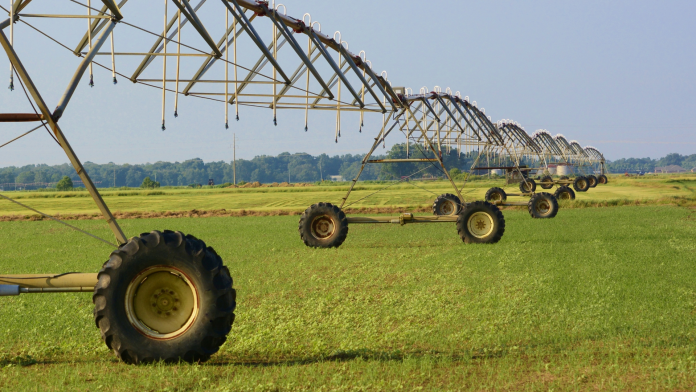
(670, 169)
(337, 178)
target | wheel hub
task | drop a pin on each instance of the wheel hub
(543, 206)
(323, 227)
(161, 302)
(564, 196)
(480, 224)
(448, 208)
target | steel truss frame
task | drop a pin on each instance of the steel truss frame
(434, 119)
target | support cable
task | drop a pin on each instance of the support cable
(22, 135)
(58, 220)
(387, 187)
(33, 107)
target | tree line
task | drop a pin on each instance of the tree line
(285, 167)
(622, 165)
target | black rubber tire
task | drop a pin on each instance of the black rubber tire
(593, 181)
(546, 182)
(581, 184)
(204, 269)
(496, 194)
(327, 213)
(562, 191)
(447, 204)
(496, 218)
(542, 205)
(603, 179)
(527, 187)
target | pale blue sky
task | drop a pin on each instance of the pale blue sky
(618, 75)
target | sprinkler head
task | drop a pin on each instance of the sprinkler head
(176, 113)
(115, 81)
(91, 81)
(227, 126)
(163, 128)
(237, 117)
(305, 128)
(275, 122)
(11, 86)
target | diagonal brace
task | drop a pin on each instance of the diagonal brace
(190, 13)
(330, 60)
(24, 76)
(296, 46)
(244, 21)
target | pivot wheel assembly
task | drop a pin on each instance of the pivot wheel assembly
(527, 185)
(447, 204)
(581, 184)
(546, 182)
(496, 194)
(603, 179)
(592, 180)
(323, 225)
(564, 193)
(542, 206)
(481, 223)
(164, 296)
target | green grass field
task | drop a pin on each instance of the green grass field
(595, 299)
(297, 199)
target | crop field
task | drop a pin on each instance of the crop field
(651, 190)
(595, 299)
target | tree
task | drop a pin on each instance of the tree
(65, 184)
(148, 183)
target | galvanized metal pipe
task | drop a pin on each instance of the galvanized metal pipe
(70, 90)
(51, 281)
(403, 219)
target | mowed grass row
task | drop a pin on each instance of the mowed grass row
(297, 199)
(595, 299)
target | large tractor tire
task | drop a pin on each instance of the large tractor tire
(581, 184)
(564, 193)
(495, 195)
(323, 225)
(527, 185)
(546, 182)
(542, 206)
(603, 179)
(164, 296)
(593, 181)
(480, 223)
(447, 204)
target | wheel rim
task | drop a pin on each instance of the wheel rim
(564, 195)
(543, 206)
(592, 182)
(448, 208)
(323, 227)
(480, 224)
(582, 184)
(161, 302)
(495, 196)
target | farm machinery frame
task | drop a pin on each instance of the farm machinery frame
(164, 295)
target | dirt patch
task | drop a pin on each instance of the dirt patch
(257, 184)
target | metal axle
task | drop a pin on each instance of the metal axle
(403, 219)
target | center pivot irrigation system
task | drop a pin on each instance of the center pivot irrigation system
(165, 295)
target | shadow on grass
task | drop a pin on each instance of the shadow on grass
(367, 355)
